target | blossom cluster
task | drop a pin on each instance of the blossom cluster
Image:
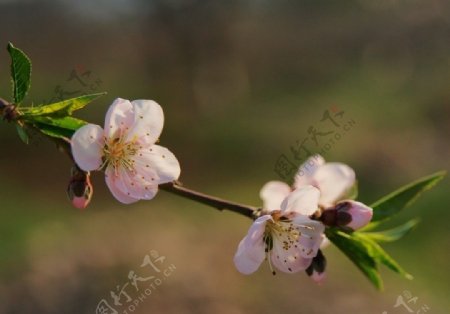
(290, 232)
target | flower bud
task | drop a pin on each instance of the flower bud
(316, 271)
(8, 111)
(80, 188)
(347, 214)
(361, 215)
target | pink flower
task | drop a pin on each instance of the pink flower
(334, 180)
(286, 236)
(134, 166)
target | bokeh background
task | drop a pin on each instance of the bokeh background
(240, 82)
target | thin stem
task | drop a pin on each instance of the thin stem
(218, 203)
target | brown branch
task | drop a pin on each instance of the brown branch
(218, 203)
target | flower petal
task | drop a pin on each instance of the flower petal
(148, 121)
(161, 160)
(122, 197)
(361, 214)
(303, 201)
(87, 147)
(273, 193)
(140, 185)
(251, 251)
(119, 118)
(306, 171)
(333, 180)
(288, 261)
(311, 235)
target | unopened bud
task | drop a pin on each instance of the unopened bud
(316, 271)
(347, 214)
(8, 111)
(80, 188)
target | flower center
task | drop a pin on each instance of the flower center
(285, 231)
(119, 153)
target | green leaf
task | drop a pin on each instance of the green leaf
(22, 134)
(62, 108)
(392, 234)
(358, 254)
(20, 73)
(365, 253)
(57, 127)
(380, 255)
(69, 123)
(394, 202)
(55, 132)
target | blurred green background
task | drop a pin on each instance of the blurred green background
(240, 82)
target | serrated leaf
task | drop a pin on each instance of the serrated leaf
(392, 234)
(380, 255)
(20, 73)
(69, 123)
(22, 134)
(358, 254)
(57, 127)
(55, 132)
(62, 108)
(394, 202)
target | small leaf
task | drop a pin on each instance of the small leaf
(358, 254)
(20, 73)
(55, 132)
(62, 108)
(392, 234)
(392, 203)
(57, 127)
(69, 123)
(22, 134)
(380, 255)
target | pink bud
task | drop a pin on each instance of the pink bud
(316, 271)
(80, 188)
(360, 213)
(318, 278)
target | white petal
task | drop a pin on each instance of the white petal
(140, 185)
(288, 261)
(119, 118)
(251, 250)
(273, 193)
(303, 200)
(361, 214)
(311, 235)
(116, 192)
(87, 147)
(307, 169)
(161, 160)
(148, 121)
(334, 180)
